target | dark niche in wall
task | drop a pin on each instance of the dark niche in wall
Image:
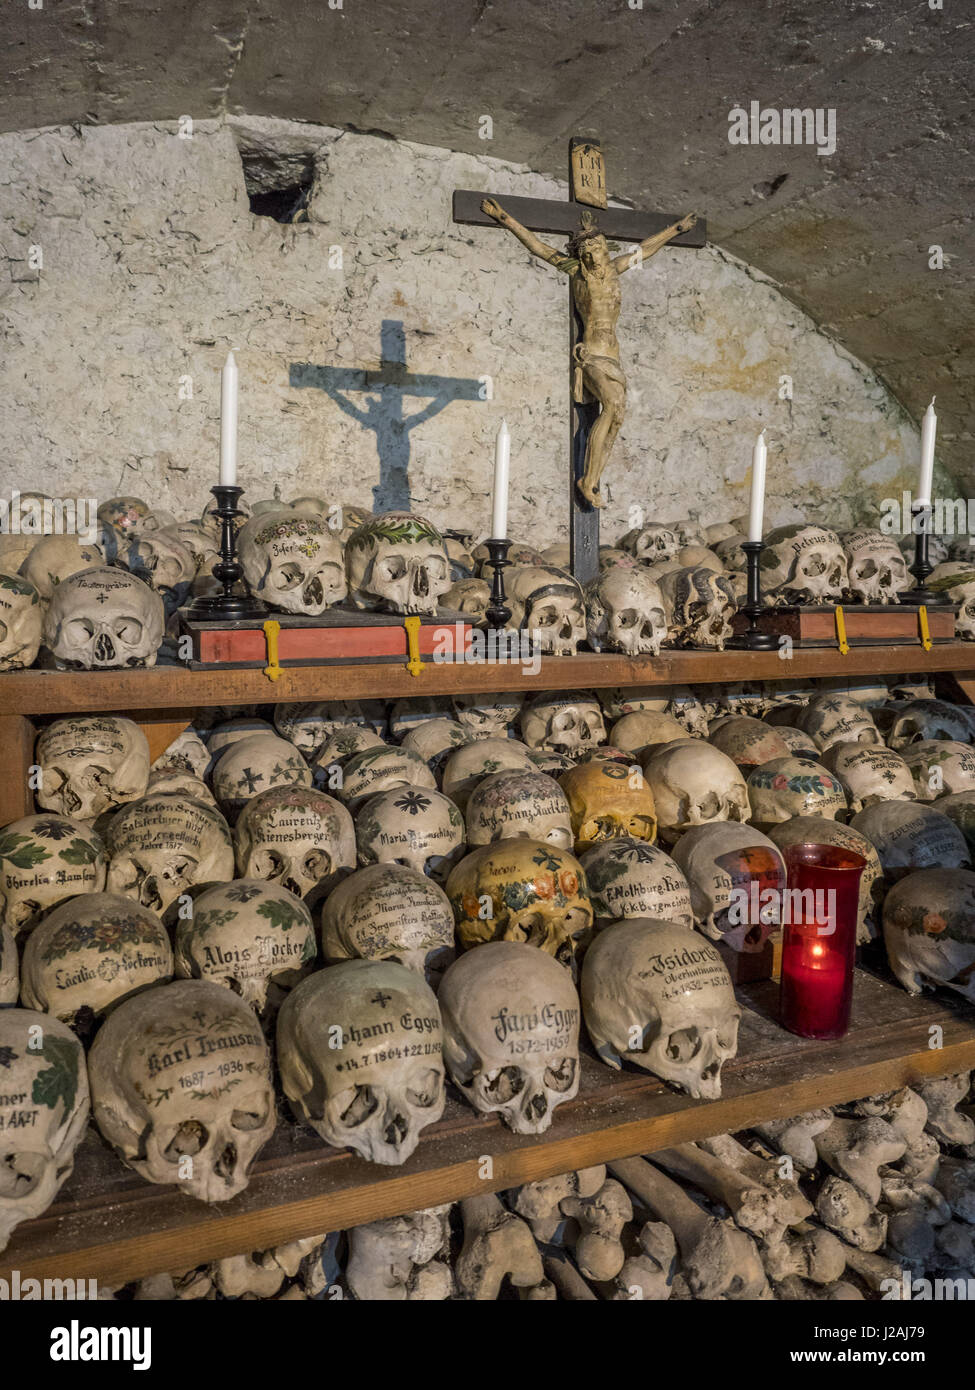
(278, 184)
(283, 204)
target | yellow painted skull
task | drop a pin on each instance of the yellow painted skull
(609, 800)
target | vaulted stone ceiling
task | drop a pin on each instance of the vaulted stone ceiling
(846, 236)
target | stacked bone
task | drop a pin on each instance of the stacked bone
(875, 1200)
(555, 862)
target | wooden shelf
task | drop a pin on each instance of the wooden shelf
(110, 1225)
(180, 687)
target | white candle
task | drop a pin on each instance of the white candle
(228, 423)
(756, 512)
(929, 428)
(502, 461)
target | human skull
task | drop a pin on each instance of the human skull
(54, 558)
(245, 936)
(802, 745)
(308, 725)
(229, 731)
(803, 564)
(46, 859)
(213, 522)
(833, 718)
(124, 513)
(631, 878)
(694, 784)
(938, 549)
(876, 568)
(254, 765)
(964, 596)
(607, 801)
(511, 1033)
(729, 868)
(297, 837)
(174, 779)
(625, 612)
(187, 752)
(385, 1083)
(720, 531)
(748, 742)
(518, 805)
(162, 561)
(923, 720)
(551, 762)
(523, 890)
(407, 714)
(341, 745)
(389, 912)
(804, 830)
(91, 953)
(43, 1113)
(660, 996)
(90, 763)
(929, 930)
(422, 829)
(397, 562)
(181, 1087)
(868, 773)
(462, 562)
(645, 729)
(162, 844)
(470, 597)
(434, 740)
(379, 770)
(470, 764)
(9, 966)
(550, 605)
(908, 836)
(652, 543)
(103, 618)
(21, 623)
(518, 554)
(787, 787)
(198, 541)
(293, 562)
(700, 605)
(488, 716)
(939, 766)
(566, 722)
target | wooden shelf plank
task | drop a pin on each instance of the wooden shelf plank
(179, 687)
(110, 1225)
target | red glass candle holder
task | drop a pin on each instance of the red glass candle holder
(819, 939)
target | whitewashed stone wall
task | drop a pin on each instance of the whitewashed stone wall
(153, 266)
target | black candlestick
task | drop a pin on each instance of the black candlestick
(235, 602)
(497, 612)
(922, 565)
(753, 640)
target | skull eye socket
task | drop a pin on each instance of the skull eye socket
(357, 1105)
(287, 576)
(683, 1045)
(424, 1089)
(79, 630)
(128, 629)
(710, 805)
(248, 1119)
(190, 1138)
(20, 1173)
(560, 1077)
(640, 828)
(392, 568)
(267, 864)
(315, 864)
(503, 1085)
(628, 618)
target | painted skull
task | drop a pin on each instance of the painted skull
(468, 766)
(54, 558)
(511, 1033)
(869, 773)
(566, 722)
(379, 770)
(308, 725)
(700, 605)
(549, 604)
(471, 597)
(389, 912)
(607, 801)
(46, 859)
(929, 930)
(787, 787)
(246, 936)
(631, 878)
(908, 836)
(181, 1087)
(293, 562)
(748, 742)
(162, 561)
(660, 996)
(124, 513)
(43, 1113)
(803, 564)
(652, 543)
(21, 623)
(103, 618)
(164, 843)
(625, 612)
(422, 829)
(397, 562)
(518, 805)
(488, 716)
(434, 740)
(89, 764)
(729, 867)
(523, 890)
(296, 837)
(876, 568)
(834, 718)
(254, 765)
(385, 1083)
(939, 766)
(918, 720)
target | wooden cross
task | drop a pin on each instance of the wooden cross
(587, 189)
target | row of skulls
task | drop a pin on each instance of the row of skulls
(107, 603)
(583, 881)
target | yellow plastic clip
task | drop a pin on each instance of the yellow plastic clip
(841, 641)
(273, 668)
(922, 622)
(412, 625)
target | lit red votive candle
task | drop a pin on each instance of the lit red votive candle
(819, 939)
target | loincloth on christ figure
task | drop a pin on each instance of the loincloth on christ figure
(608, 367)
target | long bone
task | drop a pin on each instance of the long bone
(856, 1149)
(793, 1205)
(497, 1245)
(755, 1207)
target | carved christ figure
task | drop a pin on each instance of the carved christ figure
(594, 276)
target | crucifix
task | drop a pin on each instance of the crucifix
(597, 384)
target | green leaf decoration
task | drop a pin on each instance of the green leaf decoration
(60, 1081)
(281, 915)
(79, 852)
(401, 530)
(18, 850)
